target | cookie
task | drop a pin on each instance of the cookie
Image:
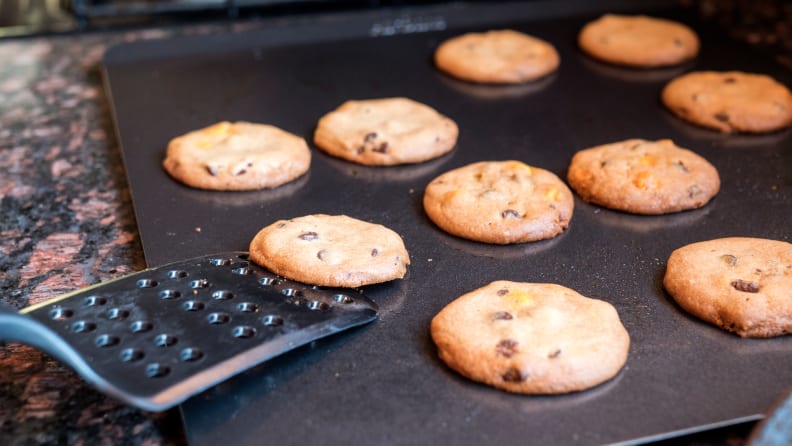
(643, 177)
(638, 41)
(740, 284)
(499, 202)
(385, 132)
(498, 57)
(531, 338)
(237, 156)
(730, 101)
(330, 250)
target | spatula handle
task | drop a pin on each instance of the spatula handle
(22, 328)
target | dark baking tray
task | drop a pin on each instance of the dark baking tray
(383, 383)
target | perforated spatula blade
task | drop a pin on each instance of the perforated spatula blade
(154, 338)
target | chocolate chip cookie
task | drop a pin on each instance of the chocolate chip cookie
(499, 202)
(740, 284)
(498, 57)
(386, 132)
(638, 41)
(237, 156)
(531, 338)
(643, 177)
(730, 101)
(330, 250)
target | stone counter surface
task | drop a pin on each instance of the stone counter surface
(67, 222)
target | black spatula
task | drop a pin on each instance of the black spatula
(159, 336)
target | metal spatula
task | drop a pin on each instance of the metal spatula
(159, 336)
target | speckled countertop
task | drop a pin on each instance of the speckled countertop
(67, 222)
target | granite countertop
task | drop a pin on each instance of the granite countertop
(67, 222)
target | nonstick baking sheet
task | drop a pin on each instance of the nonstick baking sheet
(383, 383)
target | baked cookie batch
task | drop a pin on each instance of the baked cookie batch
(522, 337)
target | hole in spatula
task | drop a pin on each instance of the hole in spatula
(317, 305)
(191, 354)
(117, 314)
(243, 332)
(247, 307)
(165, 340)
(192, 305)
(60, 314)
(140, 326)
(83, 327)
(131, 355)
(155, 370)
(222, 295)
(146, 283)
(218, 318)
(177, 274)
(272, 320)
(107, 340)
(343, 299)
(92, 301)
(169, 294)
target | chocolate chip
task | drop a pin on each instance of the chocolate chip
(213, 170)
(722, 117)
(360, 150)
(729, 80)
(693, 190)
(695, 97)
(682, 166)
(382, 148)
(506, 348)
(555, 354)
(514, 375)
(308, 236)
(503, 292)
(603, 163)
(239, 172)
(729, 259)
(502, 316)
(321, 254)
(374, 252)
(678, 42)
(369, 137)
(510, 213)
(745, 286)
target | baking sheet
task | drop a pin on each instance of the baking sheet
(383, 383)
